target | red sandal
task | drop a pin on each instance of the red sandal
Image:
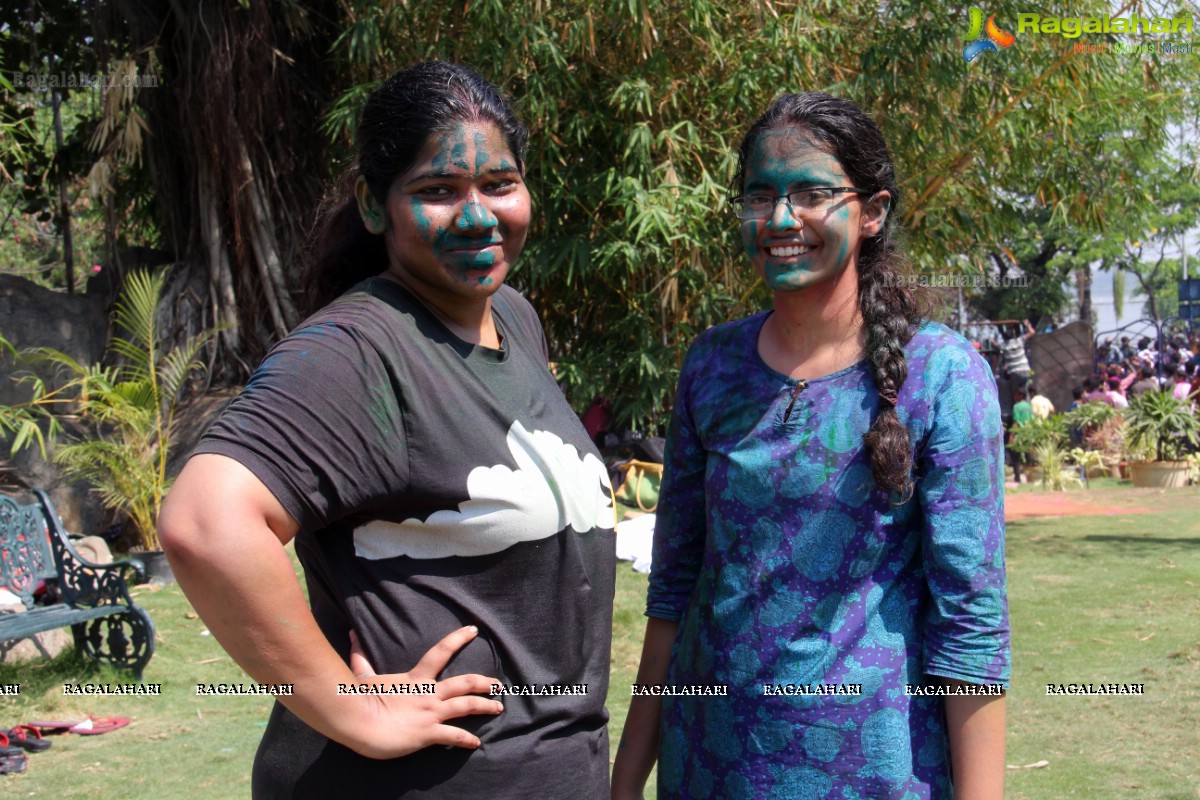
(93, 726)
(27, 737)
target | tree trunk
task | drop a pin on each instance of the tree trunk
(235, 156)
(1083, 281)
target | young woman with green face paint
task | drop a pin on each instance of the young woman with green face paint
(829, 546)
(450, 512)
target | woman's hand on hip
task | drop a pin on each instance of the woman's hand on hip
(403, 723)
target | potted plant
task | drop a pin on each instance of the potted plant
(1101, 430)
(1042, 441)
(1165, 427)
(124, 415)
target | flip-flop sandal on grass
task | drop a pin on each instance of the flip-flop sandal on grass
(28, 738)
(93, 726)
(12, 759)
(53, 725)
(13, 762)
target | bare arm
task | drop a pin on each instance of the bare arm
(638, 749)
(223, 532)
(975, 726)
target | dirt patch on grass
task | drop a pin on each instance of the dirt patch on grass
(1077, 504)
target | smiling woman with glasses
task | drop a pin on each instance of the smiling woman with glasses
(829, 546)
(760, 206)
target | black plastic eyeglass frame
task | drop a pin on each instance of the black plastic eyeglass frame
(736, 202)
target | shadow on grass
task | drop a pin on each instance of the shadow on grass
(69, 666)
(1027, 538)
(1178, 541)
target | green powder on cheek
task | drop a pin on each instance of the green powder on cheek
(423, 222)
(750, 238)
(843, 218)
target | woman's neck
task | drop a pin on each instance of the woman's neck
(471, 321)
(815, 331)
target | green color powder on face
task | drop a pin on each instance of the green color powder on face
(481, 153)
(420, 215)
(750, 238)
(843, 218)
(440, 158)
(458, 153)
(475, 215)
(787, 160)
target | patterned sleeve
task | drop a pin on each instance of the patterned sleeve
(961, 492)
(679, 527)
(319, 423)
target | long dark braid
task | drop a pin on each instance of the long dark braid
(890, 305)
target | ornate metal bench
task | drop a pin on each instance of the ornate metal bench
(94, 598)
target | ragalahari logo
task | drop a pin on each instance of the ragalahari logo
(982, 38)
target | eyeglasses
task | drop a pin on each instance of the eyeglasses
(803, 201)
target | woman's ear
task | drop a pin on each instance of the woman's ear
(875, 212)
(370, 209)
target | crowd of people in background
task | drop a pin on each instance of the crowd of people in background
(1124, 370)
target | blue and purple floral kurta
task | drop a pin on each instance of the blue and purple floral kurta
(785, 565)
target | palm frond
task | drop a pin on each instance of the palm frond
(135, 313)
(178, 364)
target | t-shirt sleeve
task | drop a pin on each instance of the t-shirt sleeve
(961, 492)
(680, 525)
(320, 423)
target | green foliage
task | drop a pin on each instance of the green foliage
(1089, 416)
(1037, 433)
(1157, 420)
(635, 109)
(1052, 460)
(1175, 187)
(1086, 460)
(128, 410)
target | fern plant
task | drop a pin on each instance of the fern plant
(127, 409)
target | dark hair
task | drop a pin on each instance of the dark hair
(1077, 393)
(396, 122)
(890, 306)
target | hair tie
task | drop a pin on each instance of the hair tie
(888, 396)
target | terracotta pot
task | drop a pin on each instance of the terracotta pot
(1159, 474)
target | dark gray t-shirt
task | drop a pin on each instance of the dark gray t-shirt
(438, 484)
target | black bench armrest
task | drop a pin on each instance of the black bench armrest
(84, 583)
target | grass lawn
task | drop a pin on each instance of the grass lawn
(1099, 599)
